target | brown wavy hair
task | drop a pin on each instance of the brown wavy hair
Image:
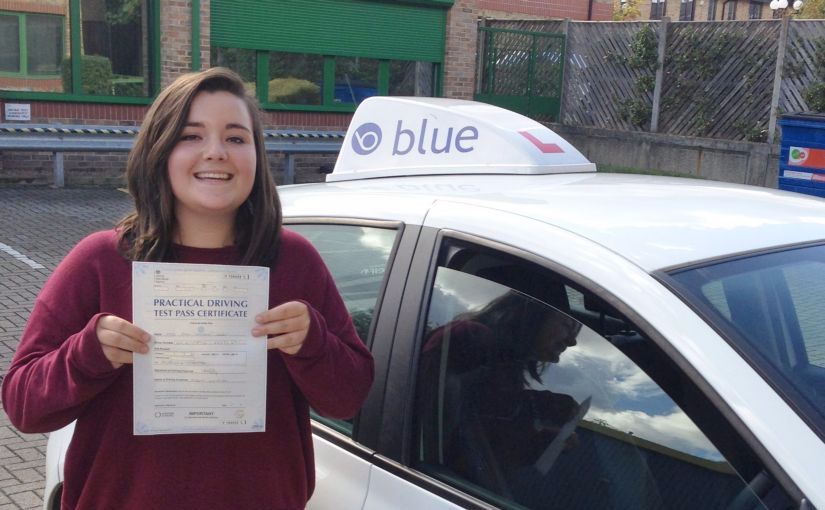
(147, 233)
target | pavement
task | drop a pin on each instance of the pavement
(37, 227)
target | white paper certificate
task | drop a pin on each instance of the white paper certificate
(204, 372)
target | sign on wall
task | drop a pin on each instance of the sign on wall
(18, 112)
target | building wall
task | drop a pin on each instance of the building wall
(459, 71)
(599, 10)
(701, 10)
(460, 50)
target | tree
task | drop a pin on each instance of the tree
(627, 10)
(122, 12)
(811, 9)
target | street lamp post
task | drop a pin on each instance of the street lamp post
(780, 7)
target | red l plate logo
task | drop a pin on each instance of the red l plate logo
(546, 148)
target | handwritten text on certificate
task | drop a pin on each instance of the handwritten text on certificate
(204, 372)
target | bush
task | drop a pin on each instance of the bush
(131, 86)
(96, 72)
(814, 96)
(293, 91)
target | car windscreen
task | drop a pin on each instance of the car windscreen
(771, 308)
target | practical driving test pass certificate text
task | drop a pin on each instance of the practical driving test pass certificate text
(204, 372)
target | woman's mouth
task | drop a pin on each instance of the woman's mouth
(213, 176)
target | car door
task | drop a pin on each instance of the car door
(522, 377)
(360, 256)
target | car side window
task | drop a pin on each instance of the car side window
(534, 394)
(357, 258)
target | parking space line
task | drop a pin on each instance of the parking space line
(19, 256)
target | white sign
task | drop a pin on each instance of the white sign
(204, 372)
(425, 136)
(18, 111)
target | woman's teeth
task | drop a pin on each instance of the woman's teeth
(213, 175)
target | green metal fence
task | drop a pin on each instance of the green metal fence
(521, 71)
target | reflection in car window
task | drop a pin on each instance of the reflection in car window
(522, 405)
(771, 306)
(357, 258)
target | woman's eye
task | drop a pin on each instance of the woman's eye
(188, 137)
(236, 139)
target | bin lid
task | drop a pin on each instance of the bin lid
(805, 115)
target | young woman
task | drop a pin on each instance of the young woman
(203, 194)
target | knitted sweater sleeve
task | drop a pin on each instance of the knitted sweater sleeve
(334, 369)
(59, 364)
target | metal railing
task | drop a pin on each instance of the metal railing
(59, 139)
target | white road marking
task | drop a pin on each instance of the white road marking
(19, 256)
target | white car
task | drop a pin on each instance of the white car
(547, 336)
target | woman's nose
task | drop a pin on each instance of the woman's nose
(215, 149)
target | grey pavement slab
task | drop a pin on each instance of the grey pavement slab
(38, 226)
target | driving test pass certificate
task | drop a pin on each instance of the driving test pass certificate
(204, 372)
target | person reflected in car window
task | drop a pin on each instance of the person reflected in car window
(203, 194)
(495, 358)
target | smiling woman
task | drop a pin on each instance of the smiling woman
(197, 173)
(212, 168)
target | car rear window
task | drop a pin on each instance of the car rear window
(770, 308)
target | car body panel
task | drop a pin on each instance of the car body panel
(388, 490)
(336, 467)
(656, 222)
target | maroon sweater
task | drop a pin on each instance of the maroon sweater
(59, 374)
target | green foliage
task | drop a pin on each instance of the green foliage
(819, 58)
(643, 58)
(130, 87)
(626, 11)
(293, 91)
(811, 9)
(613, 169)
(96, 72)
(644, 84)
(122, 12)
(705, 55)
(753, 132)
(692, 72)
(240, 60)
(814, 96)
(644, 49)
(636, 111)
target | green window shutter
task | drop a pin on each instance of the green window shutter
(355, 28)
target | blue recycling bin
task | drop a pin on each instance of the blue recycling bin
(802, 153)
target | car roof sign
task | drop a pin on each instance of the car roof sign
(402, 136)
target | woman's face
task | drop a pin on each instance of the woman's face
(553, 338)
(212, 166)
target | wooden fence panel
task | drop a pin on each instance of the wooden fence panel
(718, 76)
(719, 79)
(598, 78)
(799, 70)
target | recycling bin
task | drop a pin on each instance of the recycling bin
(802, 153)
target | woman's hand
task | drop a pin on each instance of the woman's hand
(285, 325)
(120, 339)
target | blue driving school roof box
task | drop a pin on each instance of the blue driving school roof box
(802, 153)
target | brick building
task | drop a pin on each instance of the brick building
(308, 62)
(706, 10)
